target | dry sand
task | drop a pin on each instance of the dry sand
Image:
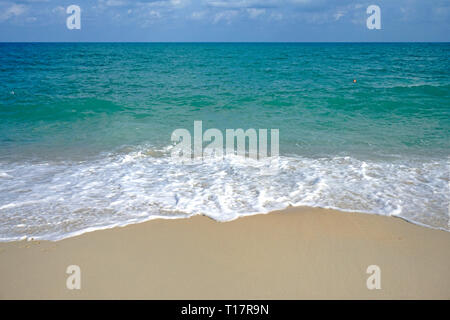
(298, 253)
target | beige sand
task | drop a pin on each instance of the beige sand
(292, 254)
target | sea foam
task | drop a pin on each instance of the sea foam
(55, 200)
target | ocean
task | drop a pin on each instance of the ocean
(85, 131)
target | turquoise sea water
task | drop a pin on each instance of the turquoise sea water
(85, 131)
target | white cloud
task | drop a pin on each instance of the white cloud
(164, 4)
(14, 10)
(338, 15)
(226, 15)
(155, 14)
(179, 3)
(198, 15)
(115, 3)
(60, 10)
(301, 1)
(241, 4)
(276, 16)
(255, 13)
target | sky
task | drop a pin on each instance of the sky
(225, 20)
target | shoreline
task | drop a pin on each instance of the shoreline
(295, 253)
(188, 216)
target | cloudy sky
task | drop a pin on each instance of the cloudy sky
(225, 20)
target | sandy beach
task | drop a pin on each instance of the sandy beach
(297, 253)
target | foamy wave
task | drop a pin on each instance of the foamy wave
(62, 199)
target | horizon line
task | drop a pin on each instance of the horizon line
(364, 42)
